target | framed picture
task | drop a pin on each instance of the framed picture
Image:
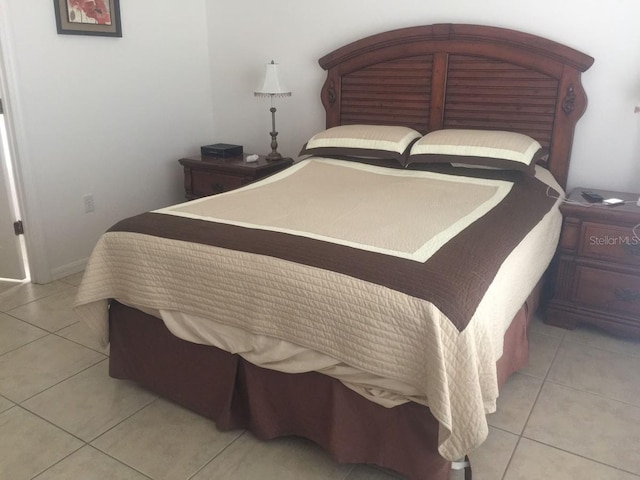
(88, 17)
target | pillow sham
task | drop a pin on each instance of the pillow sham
(364, 142)
(478, 149)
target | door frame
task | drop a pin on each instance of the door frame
(23, 171)
(14, 243)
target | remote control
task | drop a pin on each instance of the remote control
(592, 197)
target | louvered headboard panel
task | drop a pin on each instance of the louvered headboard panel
(489, 94)
(389, 93)
(460, 76)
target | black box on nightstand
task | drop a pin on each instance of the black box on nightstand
(221, 150)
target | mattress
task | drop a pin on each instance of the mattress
(385, 335)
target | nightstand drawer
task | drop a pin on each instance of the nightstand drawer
(610, 242)
(597, 277)
(209, 183)
(610, 291)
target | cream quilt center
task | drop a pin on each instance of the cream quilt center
(356, 205)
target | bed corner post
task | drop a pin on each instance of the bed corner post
(438, 90)
(571, 105)
(330, 96)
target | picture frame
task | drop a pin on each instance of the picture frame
(88, 17)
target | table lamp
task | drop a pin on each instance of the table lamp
(272, 87)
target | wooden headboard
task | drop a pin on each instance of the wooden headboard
(461, 76)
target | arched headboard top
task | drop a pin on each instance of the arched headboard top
(460, 76)
(421, 36)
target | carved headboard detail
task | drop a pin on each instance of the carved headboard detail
(461, 76)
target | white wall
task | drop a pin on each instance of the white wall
(247, 33)
(107, 116)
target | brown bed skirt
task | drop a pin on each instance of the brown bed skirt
(239, 395)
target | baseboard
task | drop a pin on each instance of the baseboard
(69, 269)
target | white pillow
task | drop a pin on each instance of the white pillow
(363, 142)
(478, 148)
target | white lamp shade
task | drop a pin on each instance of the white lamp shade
(272, 85)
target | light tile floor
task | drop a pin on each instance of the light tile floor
(572, 413)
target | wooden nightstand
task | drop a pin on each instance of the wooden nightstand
(597, 278)
(204, 175)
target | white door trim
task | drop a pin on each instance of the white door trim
(12, 250)
(27, 193)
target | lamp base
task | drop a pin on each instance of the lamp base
(273, 156)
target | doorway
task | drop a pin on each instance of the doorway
(13, 254)
(14, 263)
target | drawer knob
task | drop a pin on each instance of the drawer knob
(627, 294)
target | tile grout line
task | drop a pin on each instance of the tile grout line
(71, 433)
(582, 456)
(578, 389)
(17, 405)
(76, 342)
(89, 443)
(55, 332)
(603, 349)
(533, 406)
(513, 452)
(25, 409)
(35, 325)
(61, 381)
(24, 345)
(84, 442)
(599, 395)
(5, 293)
(2, 397)
(242, 433)
(121, 421)
(46, 334)
(117, 460)
(546, 381)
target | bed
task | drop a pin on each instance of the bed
(267, 308)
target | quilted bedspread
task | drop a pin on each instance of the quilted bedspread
(385, 270)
